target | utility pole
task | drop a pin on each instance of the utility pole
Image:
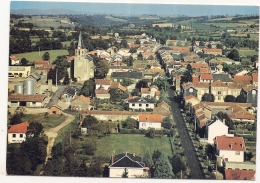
(56, 76)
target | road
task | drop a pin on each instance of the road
(52, 133)
(187, 144)
(56, 96)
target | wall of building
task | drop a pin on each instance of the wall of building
(231, 155)
(132, 172)
(212, 132)
(17, 138)
(138, 106)
(146, 125)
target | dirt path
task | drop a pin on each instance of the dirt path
(52, 133)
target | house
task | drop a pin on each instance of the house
(117, 86)
(249, 92)
(162, 108)
(43, 66)
(17, 100)
(80, 103)
(219, 90)
(216, 123)
(229, 149)
(242, 79)
(134, 75)
(128, 162)
(147, 121)
(102, 94)
(17, 133)
(152, 91)
(19, 71)
(55, 109)
(141, 104)
(191, 99)
(14, 60)
(239, 174)
(69, 94)
(206, 77)
(222, 77)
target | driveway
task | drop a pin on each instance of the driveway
(187, 144)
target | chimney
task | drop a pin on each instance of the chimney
(112, 159)
(231, 145)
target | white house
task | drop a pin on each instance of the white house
(229, 148)
(128, 162)
(102, 84)
(17, 133)
(217, 128)
(147, 121)
(141, 104)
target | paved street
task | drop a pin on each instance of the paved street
(189, 150)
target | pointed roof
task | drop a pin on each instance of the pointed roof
(80, 45)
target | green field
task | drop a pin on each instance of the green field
(133, 143)
(36, 55)
(47, 121)
(247, 52)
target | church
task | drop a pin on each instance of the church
(83, 63)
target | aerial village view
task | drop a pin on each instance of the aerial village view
(166, 94)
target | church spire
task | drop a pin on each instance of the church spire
(80, 45)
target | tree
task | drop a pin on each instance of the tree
(88, 88)
(241, 99)
(117, 96)
(177, 164)
(248, 156)
(35, 129)
(148, 159)
(24, 61)
(130, 123)
(234, 55)
(89, 121)
(16, 118)
(71, 49)
(137, 41)
(140, 56)
(207, 97)
(141, 84)
(166, 123)
(66, 80)
(163, 168)
(230, 98)
(132, 50)
(102, 68)
(223, 116)
(187, 75)
(150, 133)
(161, 83)
(125, 174)
(126, 82)
(123, 43)
(46, 56)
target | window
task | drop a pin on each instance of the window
(33, 102)
(191, 90)
(21, 135)
(219, 92)
(143, 125)
(133, 105)
(14, 135)
(140, 105)
(147, 105)
(219, 97)
(237, 152)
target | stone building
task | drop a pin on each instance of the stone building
(83, 63)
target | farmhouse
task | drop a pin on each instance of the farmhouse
(16, 100)
(19, 71)
(17, 133)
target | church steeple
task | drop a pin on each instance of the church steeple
(80, 45)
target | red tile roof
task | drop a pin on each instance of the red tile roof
(101, 91)
(205, 70)
(42, 62)
(199, 65)
(19, 128)
(218, 83)
(195, 79)
(26, 98)
(239, 174)
(145, 90)
(156, 118)
(117, 85)
(181, 49)
(242, 79)
(255, 77)
(157, 93)
(230, 143)
(102, 82)
(81, 97)
(206, 76)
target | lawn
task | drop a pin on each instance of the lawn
(133, 143)
(36, 55)
(47, 122)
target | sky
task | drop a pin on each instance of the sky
(155, 9)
